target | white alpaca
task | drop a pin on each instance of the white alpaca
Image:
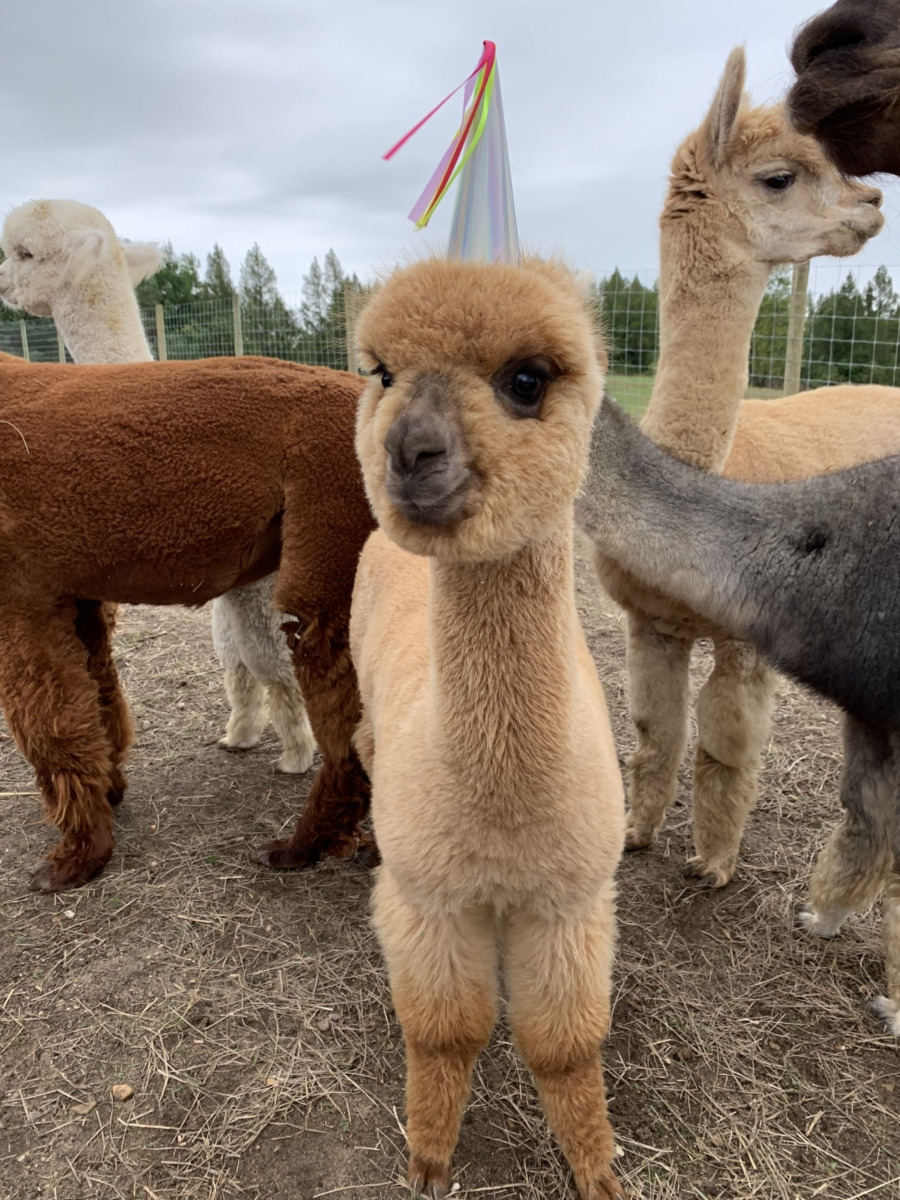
(63, 259)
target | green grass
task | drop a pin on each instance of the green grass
(633, 392)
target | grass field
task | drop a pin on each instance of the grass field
(633, 392)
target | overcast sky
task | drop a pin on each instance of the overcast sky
(196, 121)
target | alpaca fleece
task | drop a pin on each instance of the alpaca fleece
(847, 61)
(170, 483)
(497, 799)
(721, 231)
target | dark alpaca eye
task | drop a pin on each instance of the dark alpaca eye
(522, 386)
(779, 182)
(527, 387)
(387, 378)
(25, 253)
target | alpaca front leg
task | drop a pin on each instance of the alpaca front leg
(558, 973)
(248, 716)
(851, 870)
(887, 1008)
(339, 798)
(95, 624)
(53, 711)
(658, 703)
(734, 718)
(291, 723)
(443, 973)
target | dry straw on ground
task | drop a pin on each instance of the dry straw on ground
(248, 1010)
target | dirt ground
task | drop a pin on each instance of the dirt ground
(249, 1009)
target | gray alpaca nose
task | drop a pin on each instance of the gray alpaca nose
(416, 438)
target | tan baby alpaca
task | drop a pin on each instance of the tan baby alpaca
(497, 798)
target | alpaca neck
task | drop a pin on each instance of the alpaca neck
(503, 644)
(100, 321)
(709, 297)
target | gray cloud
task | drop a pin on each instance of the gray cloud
(199, 122)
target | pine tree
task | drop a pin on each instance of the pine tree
(176, 282)
(217, 282)
(258, 279)
(315, 302)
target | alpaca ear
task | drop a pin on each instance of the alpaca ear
(723, 112)
(83, 248)
(142, 259)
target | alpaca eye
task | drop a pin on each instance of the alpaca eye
(22, 253)
(779, 182)
(527, 387)
(387, 378)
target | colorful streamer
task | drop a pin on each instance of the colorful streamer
(484, 224)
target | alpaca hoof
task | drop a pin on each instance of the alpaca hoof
(427, 1178)
(637, 838)
(708, 876)
(294, 764)
(888, 1013)
(240, 744)
(50, 875)
(115, 795)
(824, 924)
(607, 1188)
(367, 852)
(281, 855)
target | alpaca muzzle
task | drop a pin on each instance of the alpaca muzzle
(427, 476)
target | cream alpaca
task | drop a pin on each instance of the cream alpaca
(65, 261)
(497, 799)
(746, 192)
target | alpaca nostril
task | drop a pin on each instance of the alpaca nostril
(875, 198)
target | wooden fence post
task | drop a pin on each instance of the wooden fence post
(793, 358)
(351, 311)
(161, 352)
(238, 328)
(23, 333)
(60, 341)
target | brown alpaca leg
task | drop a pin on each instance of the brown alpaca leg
(558, 974)
(658, 703)
(734, 718)
(52, 707)
(339, 798)
(857, 858)
(95, 624)
(443, 974)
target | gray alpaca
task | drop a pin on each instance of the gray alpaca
(808, 573)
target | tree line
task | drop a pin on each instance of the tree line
(852, 333)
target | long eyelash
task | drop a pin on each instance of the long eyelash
(378, 369)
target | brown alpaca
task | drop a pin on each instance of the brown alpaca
(746, 192)
(170, 483)
(847, 61)
(497, 799)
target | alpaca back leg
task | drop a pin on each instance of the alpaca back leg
(246, 694)
(558, 974)
(658, 703)
(95, 624)
(888, 1007)
(287, 711)
(856, 859)
(734, 718)
(53, 711)
(443, 974)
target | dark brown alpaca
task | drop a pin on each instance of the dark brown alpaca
(170, 483)
(847, 61)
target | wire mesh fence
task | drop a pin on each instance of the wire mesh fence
(851, 334)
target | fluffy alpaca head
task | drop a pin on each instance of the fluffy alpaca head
(769, 191)
(847, 61)
(52, 246)
(474, 429)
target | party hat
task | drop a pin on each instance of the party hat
(484, 218)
